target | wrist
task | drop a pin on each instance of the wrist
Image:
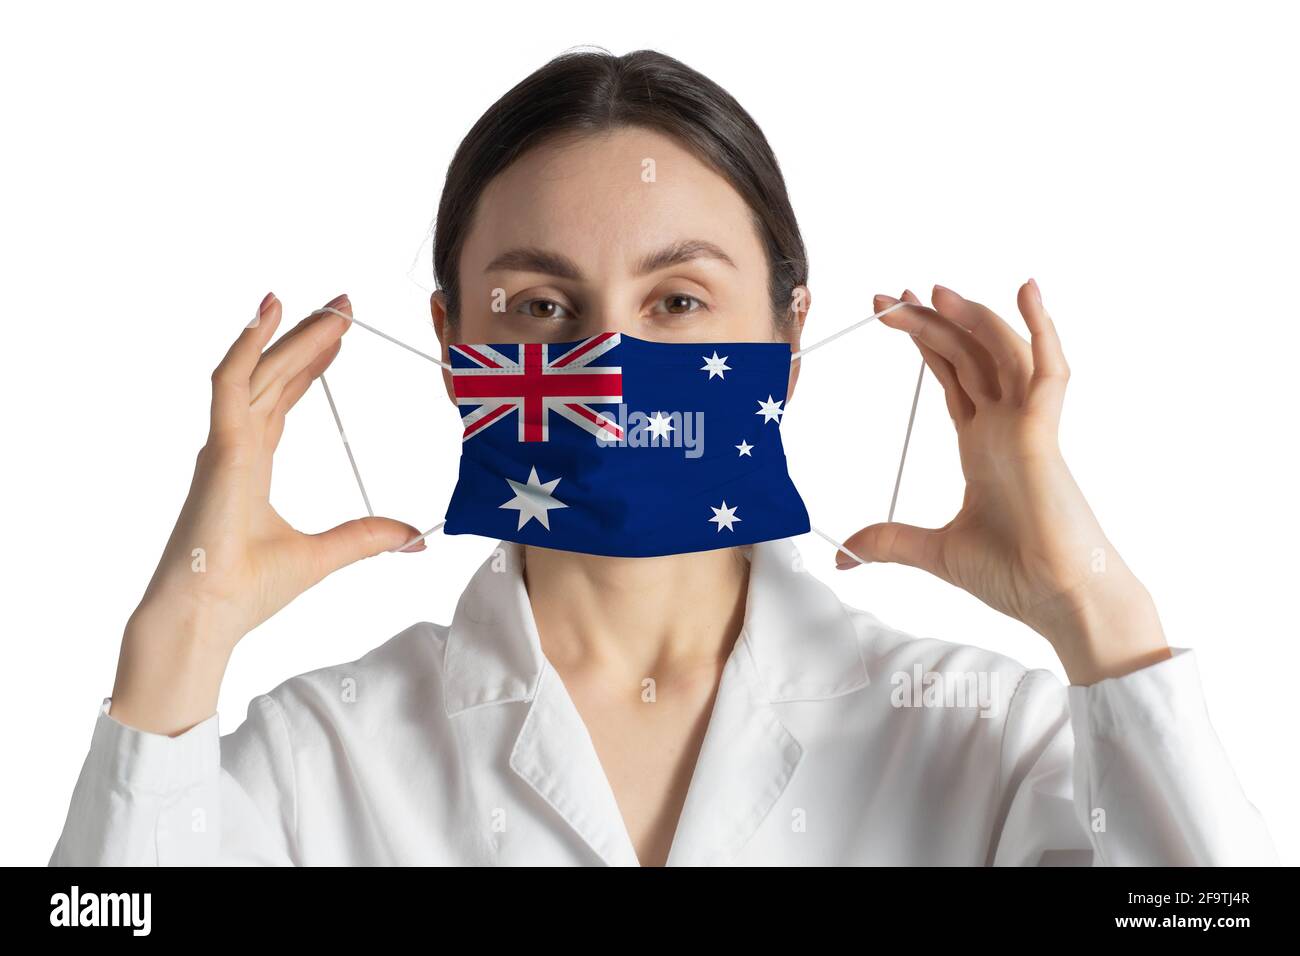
(1108, 628)
(169, 671)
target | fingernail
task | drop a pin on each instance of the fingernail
(261, 310)
(907, 292)
(1038, 294)
(887, 299)
(338, 302)
(944, 288)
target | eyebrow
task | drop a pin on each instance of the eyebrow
(532, 259)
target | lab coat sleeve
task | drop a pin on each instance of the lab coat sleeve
(1124, 772)
(196, 799)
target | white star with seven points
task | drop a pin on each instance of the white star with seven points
(770, 409)
(533, 500)
(724, 516)
(660, 425)
(715, 366)
(745, 449)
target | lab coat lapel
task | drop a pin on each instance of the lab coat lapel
(745, 763)
(494, 656)
(803, 641)
(555, 754)
(797, 644)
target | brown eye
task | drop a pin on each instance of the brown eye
(681, 304)
(542, 309)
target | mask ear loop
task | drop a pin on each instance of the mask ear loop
(907, 438)
(385, 335)
(339, 422)
(329, 397)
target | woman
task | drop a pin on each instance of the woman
(570, 714)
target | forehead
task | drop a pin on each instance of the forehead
(605, 199)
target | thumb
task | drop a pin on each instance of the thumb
(362, 538)
(895, 543)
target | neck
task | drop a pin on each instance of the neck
(637, 616)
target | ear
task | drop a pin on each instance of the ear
(800, 303)
(438, 309)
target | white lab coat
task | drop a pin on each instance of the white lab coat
(460, 745)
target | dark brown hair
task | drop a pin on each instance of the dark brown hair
(587, 92)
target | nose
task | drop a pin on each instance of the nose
(605, 318)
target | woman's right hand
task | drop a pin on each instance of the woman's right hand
(231, 561)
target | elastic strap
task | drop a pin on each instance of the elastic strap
(385, 335)
(329, 397)
(852, 328)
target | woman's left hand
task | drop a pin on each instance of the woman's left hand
(1025, 541)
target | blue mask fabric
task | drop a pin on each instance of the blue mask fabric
(615, 445)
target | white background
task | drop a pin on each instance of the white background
(164, 166)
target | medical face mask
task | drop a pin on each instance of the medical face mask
(615, 445)
(618, 446)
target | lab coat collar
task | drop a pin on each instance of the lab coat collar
(797, 632)
(797, 643)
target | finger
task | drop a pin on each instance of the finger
(294, 391)
(960, 407)
(230, 379)
(359, 538)
(974, 367)
(1010, 352)
(293, 353)
(265, 367)
(899, 544)
(1049, 358)
(242, 356)
(298, 385)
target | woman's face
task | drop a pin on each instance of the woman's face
(623, 231)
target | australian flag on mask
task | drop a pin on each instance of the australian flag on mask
(614, 445)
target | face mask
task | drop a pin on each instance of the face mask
(614, 445)
(618, 446)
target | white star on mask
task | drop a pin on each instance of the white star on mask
(745, 449)
(724, 517)
(715, 366)
(770, 410)
(660, 425)
(533, 500)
